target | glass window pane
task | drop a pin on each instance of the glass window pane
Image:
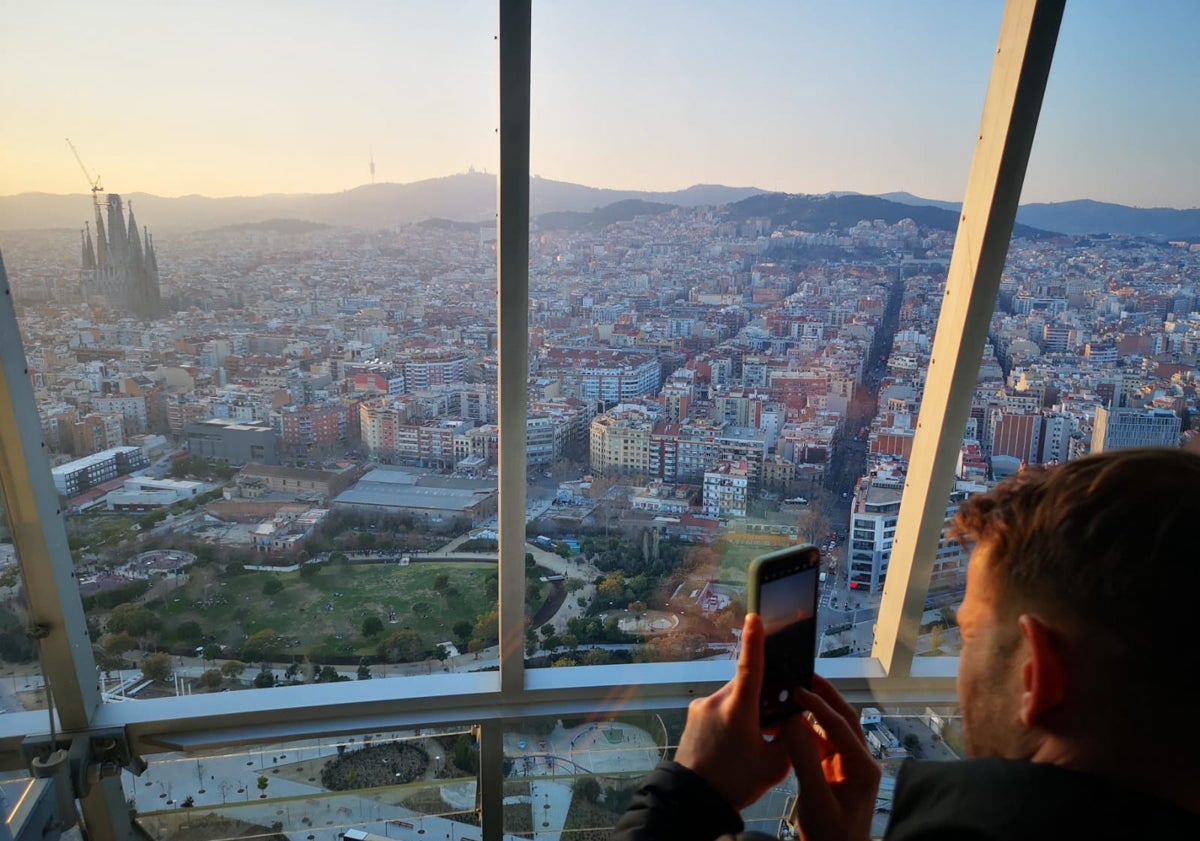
(280, 374)
(387, 785)
(712, 355)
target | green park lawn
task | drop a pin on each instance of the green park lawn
(326, 613)
(735, 562)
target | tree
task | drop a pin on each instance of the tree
(488, 625)
(462, 631)
(133, 619)
(364, 671)
(189, 632)
(263, 645)
(210, 679)
(597, 657)
(612, 588)
(466, 755)
(118, 644)
(372, 626)
(157, 667)
(421, 610)
(262, 784)
(402, 646)
(212, 651)
(233, 669)
(265, 678)
(15, 642)
(309, 571)
(911, 743)
(329, 674)
(588, 788)
(271, 586)
(440, 581)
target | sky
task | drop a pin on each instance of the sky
(265, 96)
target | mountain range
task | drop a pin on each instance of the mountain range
(471, 197)
(1084, 216)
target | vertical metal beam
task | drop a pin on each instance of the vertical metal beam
(513, 308)
(491, 779)
(40, 539)
(38, 533)
(1028, 33)
(106, 813)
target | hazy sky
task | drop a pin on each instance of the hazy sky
(256, 96)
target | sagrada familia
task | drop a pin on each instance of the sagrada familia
(120, 268)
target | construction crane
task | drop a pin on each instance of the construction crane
(97, 189)
(94, 183)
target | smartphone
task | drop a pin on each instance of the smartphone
(782, 589)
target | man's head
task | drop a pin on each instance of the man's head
(1078, 620)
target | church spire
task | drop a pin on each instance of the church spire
(89, 253)
(135, 242)
(117, 245)
(101, 241)
(151, 258)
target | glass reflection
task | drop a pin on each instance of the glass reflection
(574, 777)
(386, 785)
(21, 684)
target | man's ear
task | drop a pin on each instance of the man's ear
(1043, 671)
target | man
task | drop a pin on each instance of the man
(1075, 682)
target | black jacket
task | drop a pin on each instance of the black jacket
(974, 800)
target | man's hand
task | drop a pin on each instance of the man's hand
(722, 741)
(838, 777)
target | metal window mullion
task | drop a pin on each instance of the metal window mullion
(38, 533)
(513, 328)
(490, 799)
(40, 539)
(1028, 33)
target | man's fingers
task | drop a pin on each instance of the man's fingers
(839, 704)
(747, 686)
(846, 736)
(801, 742)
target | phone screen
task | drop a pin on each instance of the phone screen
(787, 600)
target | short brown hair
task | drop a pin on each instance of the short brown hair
(1104, 543)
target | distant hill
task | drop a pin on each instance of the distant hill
(818, 213)
(466, 197)
(601, 217)
(275, 226)
(1084, 216)
(909, 198)
(471, 197)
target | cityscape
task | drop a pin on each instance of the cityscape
(276, 446)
